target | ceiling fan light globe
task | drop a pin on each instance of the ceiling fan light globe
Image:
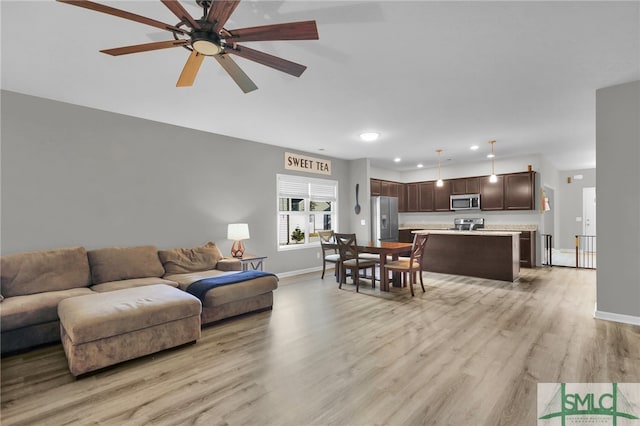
(206, 47)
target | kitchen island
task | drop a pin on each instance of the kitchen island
(484, 254)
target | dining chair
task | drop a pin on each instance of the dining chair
(410, 265)
(329, 251)
(349, 259)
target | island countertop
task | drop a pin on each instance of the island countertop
(477, 232)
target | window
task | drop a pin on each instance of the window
(305, 206)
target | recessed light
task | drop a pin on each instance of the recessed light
(474, 147)
(420, 165)
(397, 159)
(369, 136)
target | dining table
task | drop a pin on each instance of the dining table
(384, 249)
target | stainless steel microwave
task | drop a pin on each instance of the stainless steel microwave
(465, 202)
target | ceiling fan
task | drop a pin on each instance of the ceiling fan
(208, 37)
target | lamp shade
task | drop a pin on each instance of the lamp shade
(238, 231)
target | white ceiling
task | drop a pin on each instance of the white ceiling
(424, 74)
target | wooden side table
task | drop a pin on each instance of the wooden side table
(252, 261)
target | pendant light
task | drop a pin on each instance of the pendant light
(493, 178)
(439, 182)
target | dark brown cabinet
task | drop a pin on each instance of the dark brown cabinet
(441, 197)
(376, 187)
(402, 197)
(405, 235)
(528, 249)
(412, 197)
(513, 191)
(465, 186)
(519, 191)
(492, 193)
(425, 196)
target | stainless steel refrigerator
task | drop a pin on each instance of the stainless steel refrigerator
(384, 218)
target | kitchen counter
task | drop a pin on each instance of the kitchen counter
(476, 232)
(483, 254)
(441, 226)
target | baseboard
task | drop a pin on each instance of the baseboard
(301, 271)
(610, 316)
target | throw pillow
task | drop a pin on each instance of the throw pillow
(124, 263)
(187, 260)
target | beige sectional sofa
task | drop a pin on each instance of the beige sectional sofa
(33, 284)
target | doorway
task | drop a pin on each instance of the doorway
(589, 211)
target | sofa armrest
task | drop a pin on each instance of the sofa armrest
(229, 264)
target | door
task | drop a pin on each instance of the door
(589, 213)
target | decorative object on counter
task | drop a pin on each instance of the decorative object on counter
(357, 207)
(238, 232)
(493, 178)
(439, 182)
(297, 235)
(468, 224)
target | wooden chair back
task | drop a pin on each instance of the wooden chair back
(347, 246)
(417, 250)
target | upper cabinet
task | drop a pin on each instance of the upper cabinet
(376, 187)
(402, 197)
(519, 191)
(513, 191)
(465, 186)
(425, 196)
(413, 197)
(492, 193)
(441, 195)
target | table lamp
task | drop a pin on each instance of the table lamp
(237, 232)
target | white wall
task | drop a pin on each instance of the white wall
(78, 176)
(570, 205)
(618, 205)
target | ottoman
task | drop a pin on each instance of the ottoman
(102, 329)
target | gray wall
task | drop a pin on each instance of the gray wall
(78, 176)
(569, 205)
(618, 206)
(359, 174)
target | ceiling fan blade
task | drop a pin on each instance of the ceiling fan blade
(144, 47)
(220, 11)
(190, 70)
(304, 30)
(181, 13)
(123, 14)
(268, 60)
(236, 73)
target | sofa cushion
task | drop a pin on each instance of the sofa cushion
(123, 263)
(32, 309)
(98, 316)
(136, 282)
(46, 270)
(226, 293)
(185, 260)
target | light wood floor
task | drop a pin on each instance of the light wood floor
(467, 352)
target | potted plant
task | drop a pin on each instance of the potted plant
(297, 235)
